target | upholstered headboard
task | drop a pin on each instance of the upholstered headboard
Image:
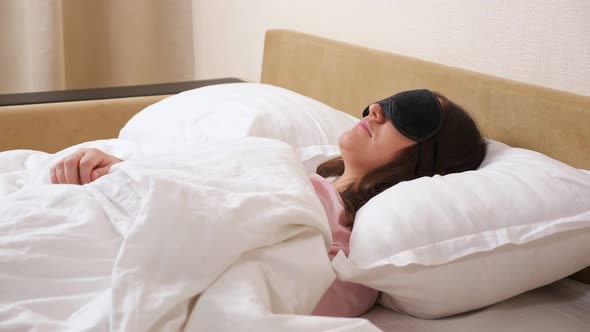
(349, 77)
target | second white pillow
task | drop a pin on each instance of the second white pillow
(442, 245)
(180, 122)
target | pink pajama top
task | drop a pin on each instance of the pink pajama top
(343, 299)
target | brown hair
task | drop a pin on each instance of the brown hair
(459, 146)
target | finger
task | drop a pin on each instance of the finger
(53, 176)
(71, 165)
(88, 162)
(59, 173)
(99, 172)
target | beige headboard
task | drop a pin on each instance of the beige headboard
(349, 77)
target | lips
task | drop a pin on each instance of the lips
(365, 125)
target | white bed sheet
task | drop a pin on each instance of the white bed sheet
(563, 306)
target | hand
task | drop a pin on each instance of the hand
(82, 167)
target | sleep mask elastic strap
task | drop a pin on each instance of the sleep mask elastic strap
(417, 114)
(427, 154)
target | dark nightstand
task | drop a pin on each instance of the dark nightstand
(107, 93)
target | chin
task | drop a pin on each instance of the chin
(346, 141)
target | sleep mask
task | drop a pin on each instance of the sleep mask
(417, 114)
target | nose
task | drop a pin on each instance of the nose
(376, 113)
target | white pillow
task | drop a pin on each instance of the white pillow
(183, 121)
(449, 244)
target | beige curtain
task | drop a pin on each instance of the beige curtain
(73, 44)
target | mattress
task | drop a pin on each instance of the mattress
(562, 306)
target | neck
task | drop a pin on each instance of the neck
(345, 181)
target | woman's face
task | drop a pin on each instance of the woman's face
(372, 143)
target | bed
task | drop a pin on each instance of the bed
(348, 77)
(552, 122)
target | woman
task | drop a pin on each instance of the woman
(406, 136)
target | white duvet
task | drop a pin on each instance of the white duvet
(229, 237)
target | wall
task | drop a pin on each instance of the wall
(539, 42)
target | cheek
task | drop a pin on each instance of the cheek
(388, 150)
(393, 142)
(385, 156)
